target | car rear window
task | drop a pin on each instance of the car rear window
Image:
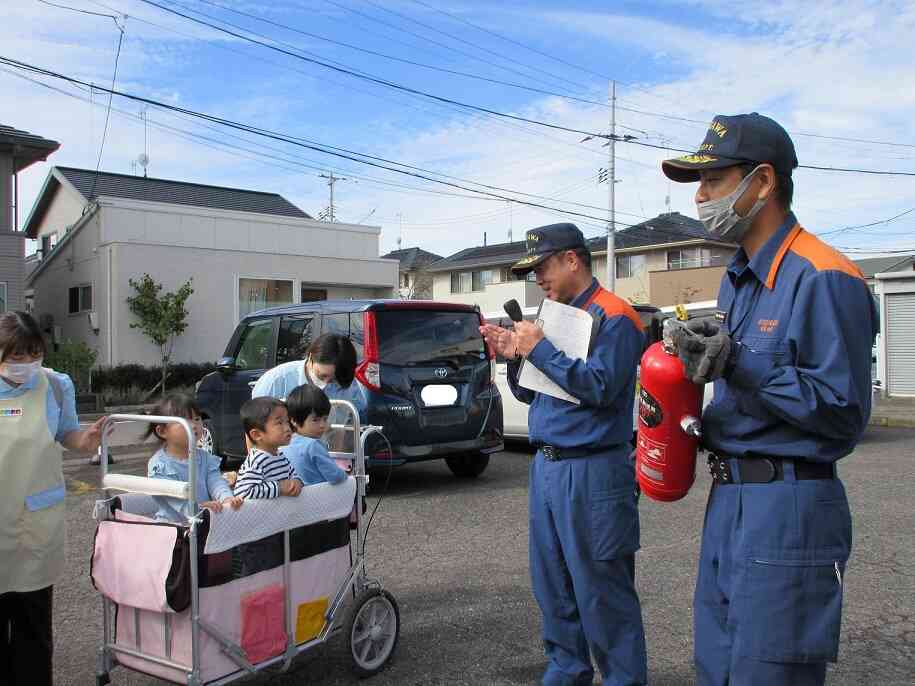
(417, 337)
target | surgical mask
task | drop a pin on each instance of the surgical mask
(315, 381)
(721, 219)
(20, 372)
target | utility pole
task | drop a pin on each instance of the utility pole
(611, 220)
(510, 221)
(331, 180)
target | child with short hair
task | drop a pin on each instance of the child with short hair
(266, 473)
(309, 408)
(171, 462)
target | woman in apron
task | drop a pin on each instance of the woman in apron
(37, 420)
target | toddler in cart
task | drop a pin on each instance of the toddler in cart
(309, 409)
(171, 462)
(265, 474)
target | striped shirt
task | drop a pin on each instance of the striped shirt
(260, 474)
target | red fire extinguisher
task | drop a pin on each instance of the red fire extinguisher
(669, 429)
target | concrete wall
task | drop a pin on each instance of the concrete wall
(192, 227)
(76, 262)
(684, 285)
(214, 305)
(527, 293)
(65, 209)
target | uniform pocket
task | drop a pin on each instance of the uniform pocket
(792, 610)
(614, 524)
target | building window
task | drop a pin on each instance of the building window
(80, 299)
(461, 282)
(310, 295)
(3, 296)
(628, 266)
(689, 258)
(256, 294)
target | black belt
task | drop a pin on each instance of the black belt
(762, 469)
(553, 454)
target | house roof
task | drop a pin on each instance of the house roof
(667, 228)
(26, 148)
(177, 192)
(412, 258)
(879, 265)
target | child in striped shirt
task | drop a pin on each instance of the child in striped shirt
(265, 474)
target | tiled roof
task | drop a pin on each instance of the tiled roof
(879, 265)
(412, 258)
(177, 192)
(666, 228)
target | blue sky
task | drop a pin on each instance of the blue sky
(841, 69)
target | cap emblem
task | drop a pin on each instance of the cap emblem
(718, 128)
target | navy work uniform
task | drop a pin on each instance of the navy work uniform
(769, 592)
(584, 522)
(795, 397)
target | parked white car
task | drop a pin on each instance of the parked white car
(514, 412)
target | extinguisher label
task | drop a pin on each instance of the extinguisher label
(652, 451)
(649, 409)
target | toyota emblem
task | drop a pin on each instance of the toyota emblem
(441, 372)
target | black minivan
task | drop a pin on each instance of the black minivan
(430, 377)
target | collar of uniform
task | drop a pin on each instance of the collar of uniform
(12, 391)
(582, 298)
(764, 264)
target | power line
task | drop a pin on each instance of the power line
(367, 77)
(114, 77)
(399, 59)
(866, 226)
(511, 40)
(353, 156)
(476, 46)
(80, 11)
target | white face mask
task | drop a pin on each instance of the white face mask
(313, 378)
(20, 372)
(721, 219)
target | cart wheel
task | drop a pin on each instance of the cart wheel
(371, 630)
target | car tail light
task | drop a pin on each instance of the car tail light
(369, 370)
(490, 353)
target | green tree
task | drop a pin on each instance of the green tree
(162, 316)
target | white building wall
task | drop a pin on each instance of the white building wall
(65, 210)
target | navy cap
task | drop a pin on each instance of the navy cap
(739, 139)
(545, 241)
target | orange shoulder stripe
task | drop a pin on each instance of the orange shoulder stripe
(613, 305)
(823, 257)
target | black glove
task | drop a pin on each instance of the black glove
(704, 349)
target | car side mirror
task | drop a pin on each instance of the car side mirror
(226, 365)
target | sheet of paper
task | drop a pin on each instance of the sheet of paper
(569, 329)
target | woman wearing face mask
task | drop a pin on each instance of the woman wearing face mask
(37, 417)
(329, 364)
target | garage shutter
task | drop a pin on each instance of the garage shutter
(900, 343)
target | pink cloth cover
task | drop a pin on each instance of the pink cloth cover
(312, 578)
(137, 579)
(263, 633)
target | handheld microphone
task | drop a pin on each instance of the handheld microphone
(513, 310)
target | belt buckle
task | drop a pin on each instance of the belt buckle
(550, 453)
(720, 470)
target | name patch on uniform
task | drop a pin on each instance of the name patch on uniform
(11, 412)
(721, 315)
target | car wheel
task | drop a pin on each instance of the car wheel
(468, 466)
(370, 631)
(206, 441)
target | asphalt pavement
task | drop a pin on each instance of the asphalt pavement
(453, 552)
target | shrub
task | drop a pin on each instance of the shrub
(74, 359)
(139, 381)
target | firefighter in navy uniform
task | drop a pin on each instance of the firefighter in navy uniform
(584, 522)
(789, 353)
